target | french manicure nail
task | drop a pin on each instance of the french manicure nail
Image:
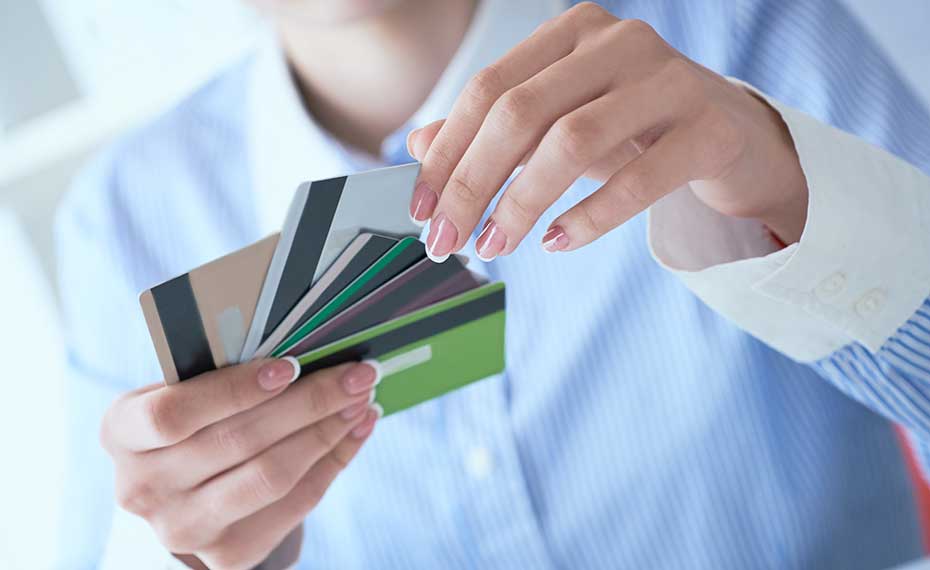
(278, 373)
(379, 371)
(359, 378)
(410, 137)
(555, 240)
(362, 430)
(354, 410)
(491, 241)
(422, 204)
(442, 237)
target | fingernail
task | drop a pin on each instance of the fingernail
(379, 371)
(491, 241)
(422, 204)
(354, 410)
(410, 137)
(359, 378)
(442, 237)
(554, 240)
(362, 430)
(277, 373)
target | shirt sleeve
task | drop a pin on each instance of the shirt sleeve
(860, 270)
(98, 307)
(851, 297)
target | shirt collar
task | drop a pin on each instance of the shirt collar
(286, 147)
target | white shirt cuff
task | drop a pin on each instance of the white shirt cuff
(860, 270)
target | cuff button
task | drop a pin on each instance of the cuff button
(870, 303)
(831, 286)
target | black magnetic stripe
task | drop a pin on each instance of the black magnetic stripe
(180, 319)
(372, 251)
(406, 259)
(306, 249)
(383, 309)
(412, 332)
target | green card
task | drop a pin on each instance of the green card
(428, 352)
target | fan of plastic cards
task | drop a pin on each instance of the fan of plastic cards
(345, 280)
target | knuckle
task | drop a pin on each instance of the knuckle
(636, 28)
(585, 13)
(517, 108)
(176, 538)
(462, 189)
(679, 74)
(588, 220)
(319, 401)
(518, 209)
(233, 441)
(484, 88)
(137, 497)
(161, 418)
(231, 554)
(573, 137)
(321, 437)
(269, 481)
(340, 460)
(440, 154)
(633, 183)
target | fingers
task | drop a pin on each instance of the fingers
(419, 141)
(199, 517)
(576, 144)
(513, 126)
(547, 45)
(249, 541)
(665, 166)
(161, 417)
(343, 389)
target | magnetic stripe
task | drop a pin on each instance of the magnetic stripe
(376, 247)
(407, 334)
(306, 249)
(184, 331)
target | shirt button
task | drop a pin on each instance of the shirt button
(479, 463)
(870, 303)
(831, 286)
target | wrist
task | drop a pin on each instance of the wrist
(785, 211)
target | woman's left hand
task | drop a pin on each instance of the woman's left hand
(591, 95)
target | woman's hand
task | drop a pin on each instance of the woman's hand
(588, 94)
(225, 465)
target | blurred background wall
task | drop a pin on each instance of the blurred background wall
(73, 73)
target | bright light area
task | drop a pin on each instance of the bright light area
(31, 410)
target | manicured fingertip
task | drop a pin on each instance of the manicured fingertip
(365, 428)
(378, 409)
(442, 238)
(555, 240)
(410, 136)
(422, 204)
(296, 364)
(491, 241)
(379, 370)
(277, 373)
(359, 378)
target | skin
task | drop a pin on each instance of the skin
(591, 95)
(224, 466)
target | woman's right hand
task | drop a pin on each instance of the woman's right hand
(225, 465)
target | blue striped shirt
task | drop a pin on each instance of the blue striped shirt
(634, 427)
